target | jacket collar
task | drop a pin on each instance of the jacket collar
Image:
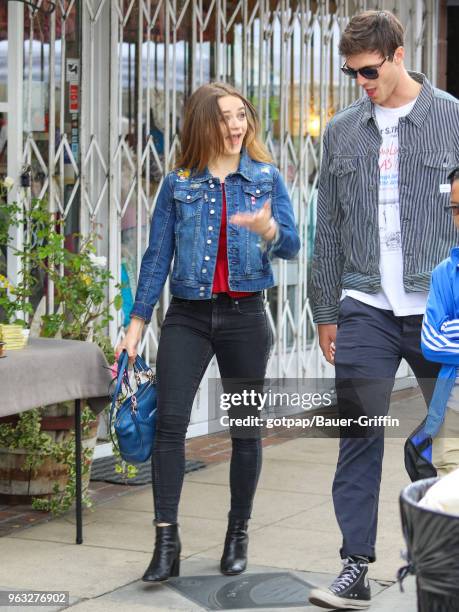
(245, 169)
(454, 254)
(419, 111)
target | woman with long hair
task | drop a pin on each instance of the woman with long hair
(221, 216)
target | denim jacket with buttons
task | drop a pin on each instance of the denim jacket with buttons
(185, 227)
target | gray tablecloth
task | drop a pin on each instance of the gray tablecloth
(47, 371)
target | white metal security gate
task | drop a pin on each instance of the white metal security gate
(139, 61)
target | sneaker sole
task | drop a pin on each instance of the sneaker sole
(327, 600)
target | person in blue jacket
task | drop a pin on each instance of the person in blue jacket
(221, 216)
(440, 343)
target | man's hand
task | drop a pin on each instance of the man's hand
(327, 340)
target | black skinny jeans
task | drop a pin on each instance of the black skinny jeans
(238, 333)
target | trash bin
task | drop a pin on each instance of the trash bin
(432, 540)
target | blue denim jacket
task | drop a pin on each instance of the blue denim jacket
(186, 225)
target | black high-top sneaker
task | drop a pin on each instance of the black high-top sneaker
(349, 591)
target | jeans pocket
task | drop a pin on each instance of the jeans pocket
(178, 306)
(251, 306)
(342, 309)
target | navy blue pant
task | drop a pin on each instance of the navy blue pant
(370, 345)
(237, 332)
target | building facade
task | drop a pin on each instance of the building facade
(91, 99)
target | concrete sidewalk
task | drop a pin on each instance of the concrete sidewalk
(293, 535)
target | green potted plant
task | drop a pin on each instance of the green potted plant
(80, 280)
(39, 468)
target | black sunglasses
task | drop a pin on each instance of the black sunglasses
(453, 207)
(368, 72)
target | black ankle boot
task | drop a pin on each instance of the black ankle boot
(166, 556)
(234, 558)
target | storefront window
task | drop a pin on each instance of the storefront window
(39, 84)
(37, 55)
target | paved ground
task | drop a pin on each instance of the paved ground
(293, 533)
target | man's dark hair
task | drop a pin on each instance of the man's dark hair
(379, 31)
(454, 175)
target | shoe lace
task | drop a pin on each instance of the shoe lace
(348, 575)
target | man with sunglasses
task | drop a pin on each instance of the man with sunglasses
(440, 343)
(381, 229)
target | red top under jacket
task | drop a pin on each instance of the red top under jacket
(221, 268)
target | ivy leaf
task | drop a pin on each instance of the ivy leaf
(118, 302)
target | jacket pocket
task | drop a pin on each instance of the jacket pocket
(436, 166)
(255, 196)
(345, 171)
(188, 203)
(444, 160)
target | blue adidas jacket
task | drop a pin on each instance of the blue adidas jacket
(440, 335)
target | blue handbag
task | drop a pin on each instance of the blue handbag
(133, 416)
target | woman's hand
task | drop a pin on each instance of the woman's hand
(131, 339)
(260, 222)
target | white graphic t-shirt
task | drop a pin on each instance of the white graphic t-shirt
(392, 295)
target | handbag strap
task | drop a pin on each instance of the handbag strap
(123, 361)
(122, 374)
(140, 365)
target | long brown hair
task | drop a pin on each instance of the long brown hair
(202, 139)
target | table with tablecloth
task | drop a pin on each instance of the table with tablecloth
(48, 371)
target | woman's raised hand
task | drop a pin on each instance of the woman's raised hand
(260, 222)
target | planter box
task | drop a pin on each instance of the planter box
(18, 486)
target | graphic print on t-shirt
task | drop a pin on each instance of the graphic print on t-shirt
(390, 236)
(389, 210)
